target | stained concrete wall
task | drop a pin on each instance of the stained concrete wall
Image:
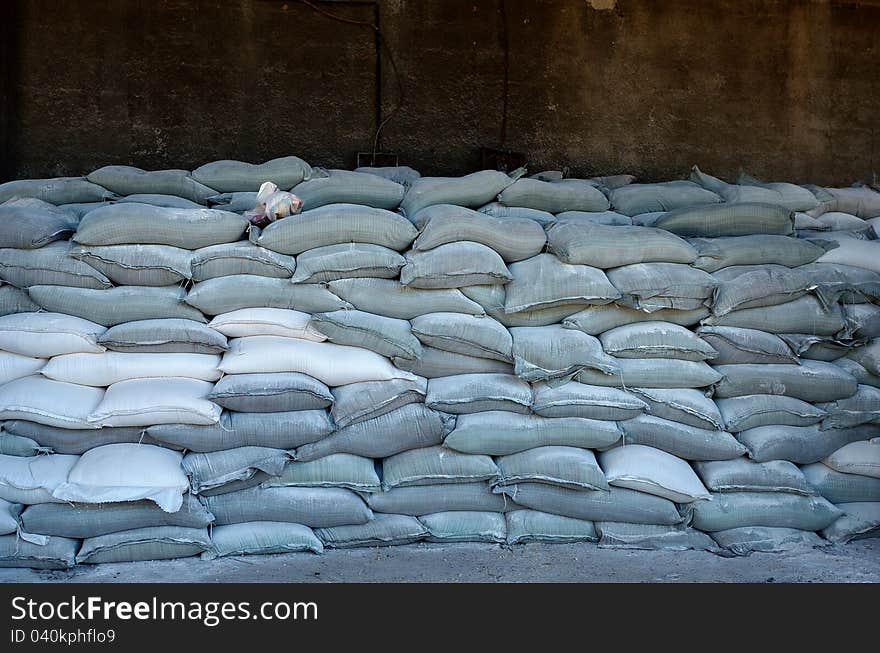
(787, 89)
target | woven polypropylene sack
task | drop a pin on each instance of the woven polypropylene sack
(717, 253)
(111, 367)
(652, 537)
(53, 403)
(454, 265)
(335, 224)
(652, 287)
(126, 472)
(746, 540)
(347, 187)
(425, 499)
(514, 239)
(270, 393)
(235, 292)
(473, 393)
(49, 265)
(682, 440)
(32, 480)
(655, 340)
(409, 427)
(610, 247)
(618, 504)
(434, 363)
(750, 411)
(83, 520)
(242, 257)
(246, 322)
(382, 530)
(210, 472)
(860, 520)
(499, 433)
(13, 300)
(857, 458)
(839, 487)
(161, 199)
(552, 352)
(313, 507)
(575, 399)
(74, 441)
(357, 402)
(276, 430)
(569, 467)
(653, 373)
(331, 364)
(57, 553)
(684, 405)
(384, 335)
(400, 174)
(28, 227)
(131, 223)
(774, 509)
(465, 526)
(171, 335)
(390, 298)
(342, 470)
(159, 543)
(744, 475)
(471, 190)
(261, 538)
(147, 402)
(738, 346)
(799, 444)
(480, 336)
(58, 190)
(232, 176)
(654, 471)
(633, 199)
(117, 305)
(544, 281)
(718, 220)
(809, 381)
(346, 261)
(128, 180)
(554, 197)
(535, 526)
(16, 366)
(434, 466)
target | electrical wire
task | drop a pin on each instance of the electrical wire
(505, 42)
(383, 46)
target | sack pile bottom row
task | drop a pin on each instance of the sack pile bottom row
(692, 364)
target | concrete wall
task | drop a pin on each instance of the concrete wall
(787, 89)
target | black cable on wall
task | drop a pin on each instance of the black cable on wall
(381, 44)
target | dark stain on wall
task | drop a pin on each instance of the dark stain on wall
(785, 89)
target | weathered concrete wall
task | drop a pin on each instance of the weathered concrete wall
(783, 88)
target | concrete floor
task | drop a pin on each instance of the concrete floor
(857, 562)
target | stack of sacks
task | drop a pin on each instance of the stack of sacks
(228, 185)
(848, 276)
(850, 479)
(488, 358)
(785, 309)
(124, 353)
(535, 291)
(410, 310)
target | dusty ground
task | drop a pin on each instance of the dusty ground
(856, 562)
